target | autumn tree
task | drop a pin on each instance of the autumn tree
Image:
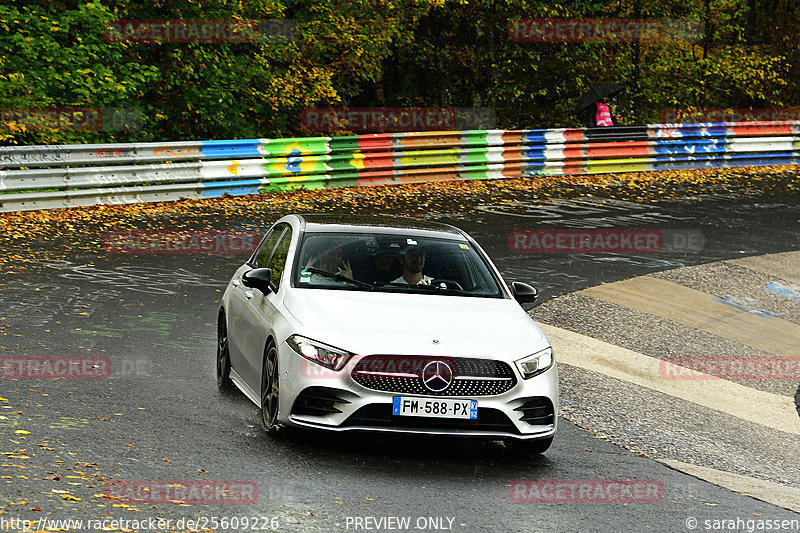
(364, 53)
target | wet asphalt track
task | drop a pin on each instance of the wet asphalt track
(159, 416)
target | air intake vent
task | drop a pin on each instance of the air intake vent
(317, 401)
(537, 412)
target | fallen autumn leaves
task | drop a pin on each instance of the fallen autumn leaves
(81, 229)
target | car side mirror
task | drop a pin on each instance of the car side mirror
(258, 278)
(524, 293)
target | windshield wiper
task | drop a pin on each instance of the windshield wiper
(392, 284)
(339, 277)
(423, 287)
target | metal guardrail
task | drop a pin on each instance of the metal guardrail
(57, 176)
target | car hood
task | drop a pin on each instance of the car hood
(408, 324)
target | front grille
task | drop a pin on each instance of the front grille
(537, 411)
(403, 374)
(380, 416)
(317, 401)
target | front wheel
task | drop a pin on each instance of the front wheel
(270, 390)
(224, 382)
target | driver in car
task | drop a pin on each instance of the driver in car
(413, 261)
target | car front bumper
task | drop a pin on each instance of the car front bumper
(314, 397)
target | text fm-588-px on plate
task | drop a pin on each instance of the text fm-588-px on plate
(438, 408)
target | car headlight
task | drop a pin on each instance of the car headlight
(319, 353)
(535, 364)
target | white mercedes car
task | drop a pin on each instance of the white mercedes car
(348, 323)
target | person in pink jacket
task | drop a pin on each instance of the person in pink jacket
(598, 114)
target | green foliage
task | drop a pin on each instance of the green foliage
(363, 53)
(58, 59)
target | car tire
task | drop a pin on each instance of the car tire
(224, 382)
(270, 388)
(536, 446)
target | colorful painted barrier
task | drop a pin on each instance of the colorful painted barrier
(53, 176)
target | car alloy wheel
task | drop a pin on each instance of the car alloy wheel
(270, 389)
(224, 382)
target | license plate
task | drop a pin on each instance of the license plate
(444, 408)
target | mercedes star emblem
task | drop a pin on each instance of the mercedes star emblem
(437, 376)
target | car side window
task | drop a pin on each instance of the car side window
(264, 252)
(278, 262)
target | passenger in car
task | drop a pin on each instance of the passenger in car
(413, 261)
(330, 260)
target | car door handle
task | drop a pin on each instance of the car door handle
(235, 283)
(248, 294)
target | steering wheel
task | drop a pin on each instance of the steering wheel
(449, 283)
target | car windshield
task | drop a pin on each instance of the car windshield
(392, 263)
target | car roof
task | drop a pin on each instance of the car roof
(344, 223)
